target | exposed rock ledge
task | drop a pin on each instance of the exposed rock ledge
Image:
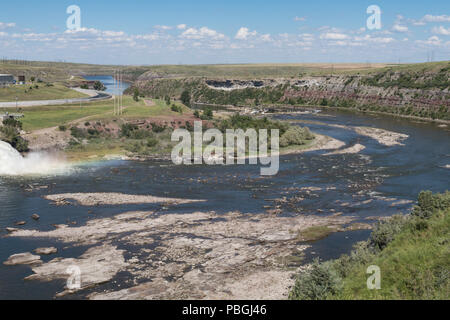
(353, 149)
(200, 255)
(95, 199)
(384, 137)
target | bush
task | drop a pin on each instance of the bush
(429, 203)
(132, 131)
(10, 132)
(10, 122)
(78, 133)
(152, 142)
(157, 128)
(175, 108)
(99, 86)
(186, 98)
(386, 231)
(62, 128)
(317, 283)
(296, 136)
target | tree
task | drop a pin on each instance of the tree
(99, 86)
(136, 94)
(167, 98)
(186, 98)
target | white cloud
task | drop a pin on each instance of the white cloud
(400, 28)
(369, 38)
(333, 36)
(4, 25)
(434, 41)
(163, 27)
(300, 19)
(181, 26)
(244, 33)
(441, 30)
(202, 33)
(431, 18)
(266, 38)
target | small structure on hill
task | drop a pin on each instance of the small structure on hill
(6, 79)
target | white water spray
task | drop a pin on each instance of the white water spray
(36, 163)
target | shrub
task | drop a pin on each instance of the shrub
(186, 98)
(157, 128)
(296, 136)
(428, 203)
(316, 283)
(152, 142)
(132, 131)
(62, 128)
(78, 133)
(386, 231)
(10, 122)
(175, 108)
(99, 86)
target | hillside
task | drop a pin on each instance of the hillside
(411, 251)
(420, 90)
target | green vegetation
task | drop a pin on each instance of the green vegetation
(98, 85)
(412, 252)
(10, 132)
(53, 116)
(289, 135)
(36, 92)
(296, 136)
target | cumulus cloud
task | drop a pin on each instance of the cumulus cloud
(300, 19)
(400, 28)
(333, 36)
(181, 26)
(266, 38)
(244, 34)
(202, 33)
(434, 41)
(4, 25)
(431, 18)
(162, 27)
(441, 30)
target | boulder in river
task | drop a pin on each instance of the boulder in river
(46, 251)
(22, 258)
(35, 217)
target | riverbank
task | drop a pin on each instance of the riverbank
(408, 251)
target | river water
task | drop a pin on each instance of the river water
(108, 82)
(371, 183)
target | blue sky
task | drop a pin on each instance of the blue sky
(195, 32)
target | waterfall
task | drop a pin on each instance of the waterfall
(12, 163)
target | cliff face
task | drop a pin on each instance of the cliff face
(422, 93)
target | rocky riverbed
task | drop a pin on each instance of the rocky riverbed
(196, 255)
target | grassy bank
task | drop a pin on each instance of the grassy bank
(51, 116)
(38, 91)
(412, 252)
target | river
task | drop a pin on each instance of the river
(108, 82)
(379, 181)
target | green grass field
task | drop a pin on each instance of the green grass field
(43, 92)
(51, 116)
